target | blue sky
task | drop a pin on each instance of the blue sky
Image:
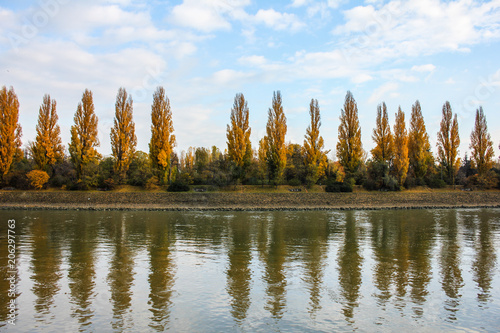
(205, 51)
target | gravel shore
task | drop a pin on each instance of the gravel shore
(245, 201)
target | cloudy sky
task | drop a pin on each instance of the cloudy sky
(205, 51)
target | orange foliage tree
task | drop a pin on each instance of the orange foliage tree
(418, 143)
(448, 142)
(84, 141)
(162, 138)
(123, 139)
(47, 149)
(239, 148)
(276, 131)
(349, 147)
(10, 130)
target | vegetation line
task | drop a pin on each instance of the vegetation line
(401, 158)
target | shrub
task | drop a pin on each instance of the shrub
(294, 182)
(37, 178)
(178, 186)
(483, 182)
(108, 184)
(152, 183)
(437, 183)
(334, 186)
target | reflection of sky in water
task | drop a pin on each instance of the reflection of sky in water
(270, 271)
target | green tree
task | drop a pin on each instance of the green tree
(123, 139)
(349, 147)
(401, 160)
(276, 131)
(448, 142)
(481, 144)
(384, 145)
(315, 157)
(162, 138)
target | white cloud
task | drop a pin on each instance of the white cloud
(208, 15)
(299, 3)
(253, 60)
(278, 21)
(422, 27)
(378, 94)
(200, 15)
(424, 68)
(230, 77)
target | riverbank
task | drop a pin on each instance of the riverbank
(66, 200)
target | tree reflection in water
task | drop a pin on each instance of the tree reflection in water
(120, 271)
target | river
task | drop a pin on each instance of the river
(293, 271)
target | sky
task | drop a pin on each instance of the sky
(204, 52)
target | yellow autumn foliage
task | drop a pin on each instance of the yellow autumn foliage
(162, 138)
(37, 178)
(84, 140)
(10, 130)
(239, 147)
(349, 147)
(123, 139)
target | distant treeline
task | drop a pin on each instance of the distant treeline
(401, 157)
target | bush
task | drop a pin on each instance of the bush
(294, 182)
(483, 182)
(391, 183)
(17, 179)
(152, 183)
(178, 186)
(437, 183)
(108, 184)
(334, 186)
(37, 178)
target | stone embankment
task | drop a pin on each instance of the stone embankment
(245, 201)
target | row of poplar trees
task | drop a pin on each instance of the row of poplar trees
(395, 153)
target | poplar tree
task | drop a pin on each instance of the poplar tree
(418, 143)
(162, 138)
(262, 155)
(315, 157)
(10, 130)
(47, 149)
(349, 147)
(84, 141)
(448, 141)
(123, 139)
(401, 160)
(239, 147)
(276, 131)
(384, 145)
(481, 144)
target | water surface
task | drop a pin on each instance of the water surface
(321, 271)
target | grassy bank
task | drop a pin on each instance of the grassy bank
(235, 200)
